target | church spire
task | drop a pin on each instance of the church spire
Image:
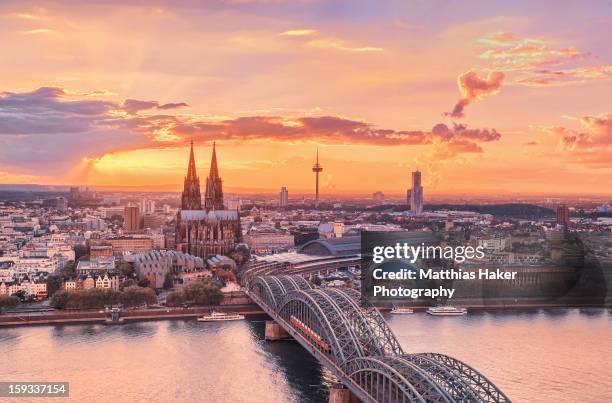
(214, 170)
(213, 197)
(191, 198)
(191, 168)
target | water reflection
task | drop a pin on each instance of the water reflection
(535, 355)
(300, 368)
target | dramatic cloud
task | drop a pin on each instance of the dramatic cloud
(473, 88)
(600, 127)
(509, 52)
(534, 62)
(55, 128)
(559, 77)
(133, 106)
(65, 128)
(48, 110)
(592, 146)
(337, 130)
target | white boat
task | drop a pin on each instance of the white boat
(220, 316)
(397, 310)
(446, 310)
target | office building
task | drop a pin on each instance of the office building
(283, 197)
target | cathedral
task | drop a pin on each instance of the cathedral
(209, 231)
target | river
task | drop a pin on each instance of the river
(557, 355)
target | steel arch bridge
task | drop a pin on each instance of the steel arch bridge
(357, 345)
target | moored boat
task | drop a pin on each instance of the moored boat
(220, 316)
(446, 310)
(399, 310)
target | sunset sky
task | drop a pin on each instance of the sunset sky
(483, 97)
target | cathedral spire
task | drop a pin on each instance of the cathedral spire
(191, 198)
(214, 170)
(191, 168)
(213, 197)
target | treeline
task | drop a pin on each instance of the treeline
(202, 292)
(509, 210)
(95, 298)
(8, 301)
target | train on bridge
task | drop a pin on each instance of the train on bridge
(355, 343)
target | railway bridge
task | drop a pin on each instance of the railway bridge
(355, 343)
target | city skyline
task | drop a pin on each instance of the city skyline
(488, 102)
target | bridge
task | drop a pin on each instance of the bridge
(355, 343)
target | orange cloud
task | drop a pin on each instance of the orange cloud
(328, 43)
(68, 127)
(336, 130)
(300, 32)
(525, 58)
(473, 88)
(508, 52)
(593, 146)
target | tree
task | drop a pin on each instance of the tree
(225, 275)
(117, 219)
(60, 299)
(8, 301)
(126, 269)
(54, 283)
(126, 283)
(175, 298)
(80, 251)
(93, 298)
(136, 296)
(168, 281)
(21, 296)
(144, 282)
(201, 292)
(69, 269)
(240, 255)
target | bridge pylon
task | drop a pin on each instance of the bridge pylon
(275, 332)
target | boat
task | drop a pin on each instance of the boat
(220, 316)
(446, 310)
(400, 311)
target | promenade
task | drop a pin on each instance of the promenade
(99, 316)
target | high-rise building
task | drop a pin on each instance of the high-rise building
(317, 169)
(61, 204)
(283, 197)
(131, 218)
(563, 215)
(152, 221)
(149, 206)
(416, 193)
(212, 231)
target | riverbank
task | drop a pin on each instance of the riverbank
(99, 316)
(506, 304)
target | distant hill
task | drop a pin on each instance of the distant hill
(18, 187)
(508, 210)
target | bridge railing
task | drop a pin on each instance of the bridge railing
(357, 345)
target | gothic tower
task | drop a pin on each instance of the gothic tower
(213, 198)
(191, 198)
